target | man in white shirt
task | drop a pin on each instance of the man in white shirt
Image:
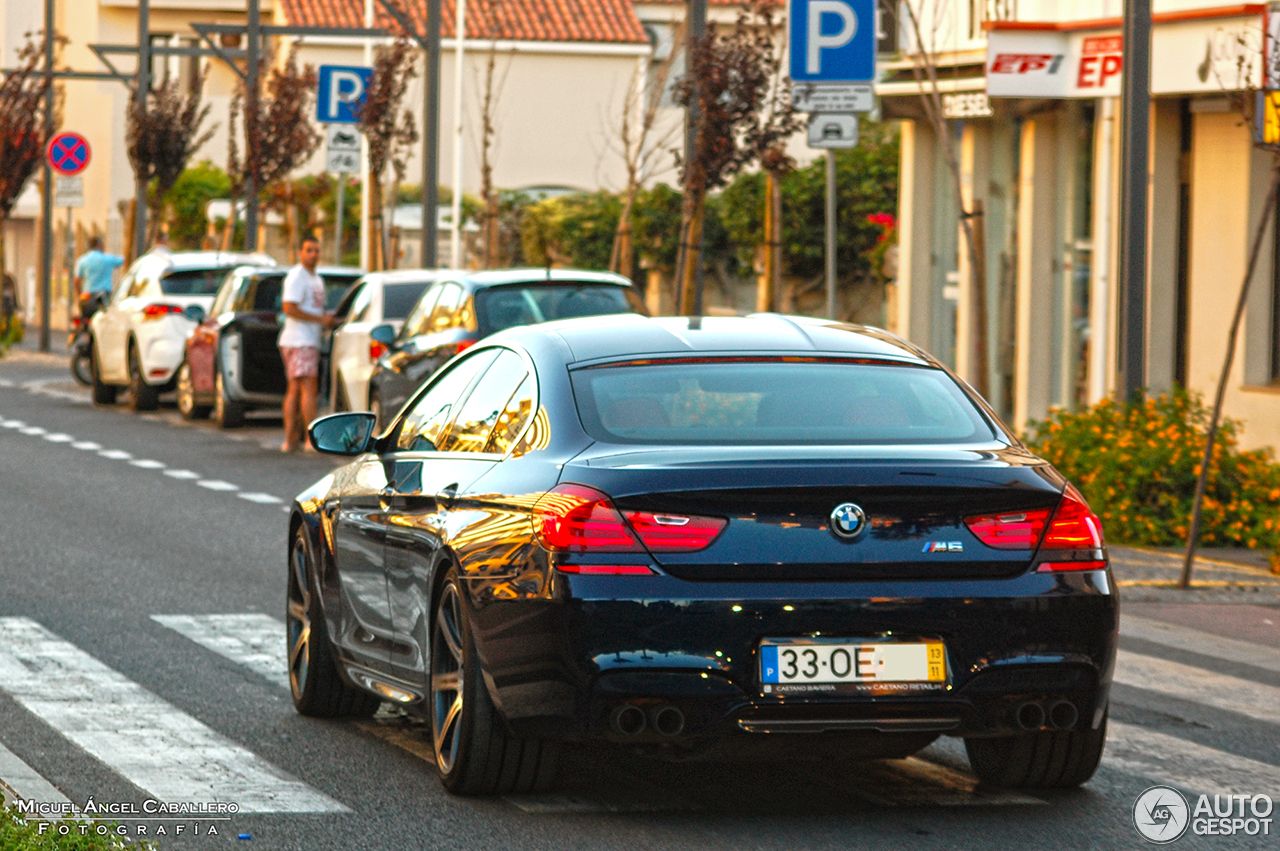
(304, 320)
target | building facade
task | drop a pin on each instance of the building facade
(1030, 91)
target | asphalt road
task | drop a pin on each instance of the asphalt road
(121, 537)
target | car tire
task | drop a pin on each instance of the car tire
(475, 753)
(103, 393)
(82, 367)
(187, 395)
(1044, 759)
(226, 413)
(318, 689)
(142, 396)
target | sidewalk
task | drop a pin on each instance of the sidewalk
(1220, 575)
(28, 351)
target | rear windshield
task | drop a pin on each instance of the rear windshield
(775, 402)
(193, 281)
(399, 299)
(504, 307)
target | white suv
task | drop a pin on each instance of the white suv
(139, 337)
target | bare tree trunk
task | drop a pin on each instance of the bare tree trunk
(770, 281)
(130, 225)
(1193, 533)
(693, 210)
(621, 259)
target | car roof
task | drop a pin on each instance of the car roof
(406, 276)
(628, 335)
(185, 260)
(504, 277)
(256, 269)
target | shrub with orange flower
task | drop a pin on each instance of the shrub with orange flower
(1137, 465)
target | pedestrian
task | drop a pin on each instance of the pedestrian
(94, 268)
(304, 321)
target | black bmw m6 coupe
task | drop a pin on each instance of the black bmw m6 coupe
(702, 536)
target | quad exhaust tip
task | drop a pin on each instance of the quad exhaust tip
(668, 721)
(1029, 715)
(1033, 715)
(1063, 715)
(628, 720)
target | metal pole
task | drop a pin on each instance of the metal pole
(460, 37)
(253, 35)
(366, 189)
(342, 186)
(697, 29)
(69, 254)
(1135, 97)
(831, 234)
(431, 137)
(143, 84)
(46, 208)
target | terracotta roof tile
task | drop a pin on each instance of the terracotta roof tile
(519, 20)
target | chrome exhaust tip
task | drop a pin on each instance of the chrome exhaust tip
(1063, 715)
(1029, 715)
(668, 721)
(628, 720)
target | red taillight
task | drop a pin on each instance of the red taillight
(1013, 530)
(1074, 526)
(579, 519)
(675, 533)
(376, 350)
(606, 569)
(156, 311)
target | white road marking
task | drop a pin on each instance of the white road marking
(59, 438)
(256, 641)
(261, 498)
(115, 454)
(182, 474)
(1186, 682)
(217, 485)
(1184, 764)
(148, 464)
(32, 430)
(4, 382)
(14, 423)
(26, 782)
(1203, 643)
(149, 742)
(86, 445)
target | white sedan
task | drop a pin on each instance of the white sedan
(139, 337)
(379, 298)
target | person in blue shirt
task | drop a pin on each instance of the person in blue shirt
(94, 268)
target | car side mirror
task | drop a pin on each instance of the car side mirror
(194, 312)
(348, 433)
(384, 334)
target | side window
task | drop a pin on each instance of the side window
(486, 404)
(416, 323)
(267, 293)
(442, 315)
(139, 285)
(359, 304)
(513, 418)
(223, 298)
(430, 414)
(125, 285)
(242, 302)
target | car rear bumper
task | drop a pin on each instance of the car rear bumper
(566, 664)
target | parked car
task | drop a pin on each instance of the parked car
(462, 308)
(140, 336)
(233, 363)
(682, 535)
(379, 298)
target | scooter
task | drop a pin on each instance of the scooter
(79, 342)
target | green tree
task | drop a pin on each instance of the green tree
(866, 185)
(188, 201)
(571, 230)
(656, 227)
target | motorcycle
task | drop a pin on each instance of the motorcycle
(79, 342)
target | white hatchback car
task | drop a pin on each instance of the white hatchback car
(139, 337)
(379, 298)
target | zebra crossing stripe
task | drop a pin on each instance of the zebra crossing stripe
(26, 782)
(1185, 764)
(1186, 682)
(148, 741)
(256, 641)
(1203, 643)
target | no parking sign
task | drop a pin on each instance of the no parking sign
(68, 153)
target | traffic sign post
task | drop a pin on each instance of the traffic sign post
(342, 155)
(832, 44)
(68, 155)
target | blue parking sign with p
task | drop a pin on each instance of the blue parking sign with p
(341, 90)
(832, 40)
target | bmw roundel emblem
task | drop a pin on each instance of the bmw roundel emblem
(848, 520)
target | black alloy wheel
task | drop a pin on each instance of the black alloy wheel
(1042, 759)
(318, 689)
(142, 396)
(187, 395)
(226, 413)
(475, 754)
(103, 393)
(82, 365)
